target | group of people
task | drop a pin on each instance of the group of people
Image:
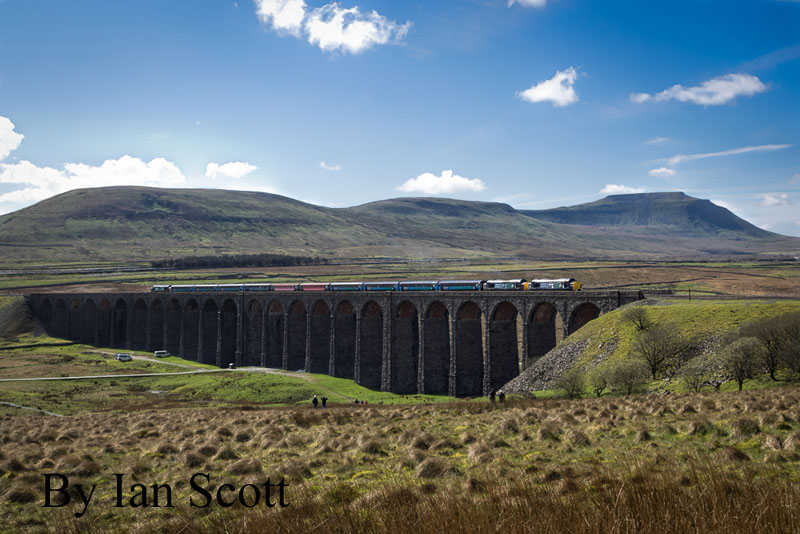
(501, 395)
(315, 402)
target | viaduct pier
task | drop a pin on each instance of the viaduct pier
(456, 343)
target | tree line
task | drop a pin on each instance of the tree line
(237, 260)
(768, 346)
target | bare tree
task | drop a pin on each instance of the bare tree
(657, 346)
(740, 357)
(638, 316)
(694, 375)
(572, 382)
(626, 375)
(778, 337)
(598, 380)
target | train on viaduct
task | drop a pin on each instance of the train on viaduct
(460, 344)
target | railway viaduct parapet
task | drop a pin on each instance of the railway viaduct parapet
(456, 343)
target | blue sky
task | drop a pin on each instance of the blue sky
(537, 103)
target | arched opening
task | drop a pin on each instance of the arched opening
(209, 319)
(297, 337)
(191, 331)
(227, 344)
(582, 315)
(436, 365)
(155, 325)
(320, 337)
(45, 315)
(543, 330)
(104, 324)
(469, 350)
(89, 321)
(371, 357)
(75, 320)
(173, 329)
(275, 335)
(504, 364)
(253, 326)
(61, 319)
(119, 324)
(344, 354)
(405, 349)
(139, 331)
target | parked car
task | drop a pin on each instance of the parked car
(123, 357)
(161, 353)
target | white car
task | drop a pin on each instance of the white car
(161, 353)
(123, 357)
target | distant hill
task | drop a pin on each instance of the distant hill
(141, 224)
(661, 212)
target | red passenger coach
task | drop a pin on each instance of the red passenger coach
(312, 287)
(284, 287)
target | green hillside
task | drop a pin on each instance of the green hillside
(143, 224)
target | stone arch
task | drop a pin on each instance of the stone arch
(228, 330)
(469, 350)
(371, 346)
(504, 345)
(436, 364)
(172, 343)
(89, 321)
(344, 353)
(75, 319)
(297, 336)
(275, 325)
(119, 324)
(405, 349)
(320, 337)
(45, 315)
(582, 315)
(155, 325)
(104, 323)
(139, 329)
(253, 326)
(545, 330)
(209, 319)
(191, 330)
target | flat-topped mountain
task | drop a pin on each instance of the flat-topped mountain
(140, 223)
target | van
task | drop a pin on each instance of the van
(122, 357)
(161, 354)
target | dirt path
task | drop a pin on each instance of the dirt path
(30, 408)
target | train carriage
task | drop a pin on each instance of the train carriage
(418, 286)
(461, 285)
(506, 284)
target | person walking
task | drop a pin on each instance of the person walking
(314, 402)
(491, 396)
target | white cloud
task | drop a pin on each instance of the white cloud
(680, 158)
(620, 189)
(336, 167)
(234, 169)
(658, 140)
(448, 182)
(43, 182)
(722, 204)
(528, 3)
(331, 27)
(559, 89)
(713, 92)
(9, 139)
(661, 171)
(285, 16)
(774, 199)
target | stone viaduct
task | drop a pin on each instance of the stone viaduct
(456, 343)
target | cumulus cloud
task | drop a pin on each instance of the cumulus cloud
(334, 168)
(430, 184)
(528, 3)
(713, 92)
(774, 199)
(680, 158)
(39, 183)
(9, 139)
(559, 89)
(661, 171)
(233, 169)
(620, 189)
(331, 27)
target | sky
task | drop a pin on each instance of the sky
(535, 103)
